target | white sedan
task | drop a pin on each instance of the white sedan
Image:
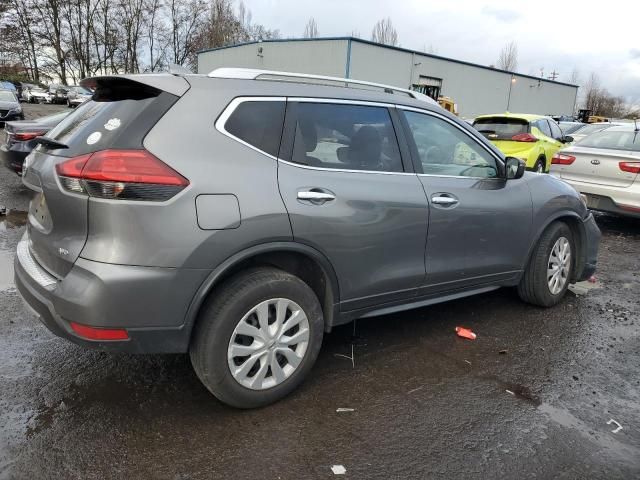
(605, 167)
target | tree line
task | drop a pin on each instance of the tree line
(68, 40)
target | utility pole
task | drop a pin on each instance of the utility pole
(553, 75)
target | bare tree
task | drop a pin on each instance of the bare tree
(508, 59)
(384, 32)
(355, 34)
(186, 17)
(311, 29)
(24, 42)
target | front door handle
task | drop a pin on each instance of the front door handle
(444, 200)
(316, 195)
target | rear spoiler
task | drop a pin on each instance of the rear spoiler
(162, 81)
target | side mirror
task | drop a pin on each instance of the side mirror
(567, 139)
(515, 168)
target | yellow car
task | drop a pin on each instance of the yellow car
(532, 138)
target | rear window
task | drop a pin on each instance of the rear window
(501, 128)
(259, 124)
(119, 115)
(613, 140)
(589, 129)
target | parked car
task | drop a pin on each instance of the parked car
(19, 136)
(588, 129)
(568, 128)
(57, 94)
(605, 166)
(10, 108)
(25, 91)
(77, 95)
(532, 138)
(243, 240)
(37, 95)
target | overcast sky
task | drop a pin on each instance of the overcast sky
(560, 35)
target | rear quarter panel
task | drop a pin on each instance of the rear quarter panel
(167, 234)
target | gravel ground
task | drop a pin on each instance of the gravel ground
(530, 398)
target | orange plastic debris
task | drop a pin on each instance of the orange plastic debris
(465, 333)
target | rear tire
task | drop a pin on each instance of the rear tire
(233, 308)
(538, 285)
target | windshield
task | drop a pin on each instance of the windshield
(613, 140)
(501, 128)
(7, 96)
(589, 129)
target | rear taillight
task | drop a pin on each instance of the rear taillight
(121, 174)
(24, 136)
(524, 137)
(631, 167)
(562, 159)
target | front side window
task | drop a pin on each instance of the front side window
(350, 137)
(444, 149)
(259, 124)
(543, 126)
(555, 131)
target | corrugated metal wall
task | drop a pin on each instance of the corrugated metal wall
(322, 57)
(476, 90)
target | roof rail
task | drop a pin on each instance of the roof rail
(256, 74)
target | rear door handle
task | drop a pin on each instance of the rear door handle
(445, 201)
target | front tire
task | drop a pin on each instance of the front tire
(547, 277)
(257, 337)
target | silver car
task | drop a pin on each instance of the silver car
(242, 215)
(605, 166)
(77, 95)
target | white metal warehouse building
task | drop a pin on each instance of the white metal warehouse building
(477, 89)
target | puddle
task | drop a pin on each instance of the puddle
(12, 219)
(600, 435)
(6, 270)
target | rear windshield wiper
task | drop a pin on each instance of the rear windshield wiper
(49, 142)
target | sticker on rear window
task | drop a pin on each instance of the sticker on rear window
(94, 138)
(112, 124)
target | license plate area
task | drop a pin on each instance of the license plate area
(39, 215)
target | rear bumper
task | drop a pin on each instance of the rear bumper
(619, 200)
(592, 243)
(150, 303)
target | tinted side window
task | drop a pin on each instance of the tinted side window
(543, 126)
(555, 131)
(351, 137)
(259, 124)
(444, 149)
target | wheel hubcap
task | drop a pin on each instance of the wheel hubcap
(268, 344)
(559, 265)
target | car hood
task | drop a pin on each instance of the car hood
(8, 105)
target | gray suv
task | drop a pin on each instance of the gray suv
(239, 216)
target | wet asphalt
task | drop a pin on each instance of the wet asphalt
(532, 397)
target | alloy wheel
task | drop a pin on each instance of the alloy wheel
(268, 344)
(559, 265)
